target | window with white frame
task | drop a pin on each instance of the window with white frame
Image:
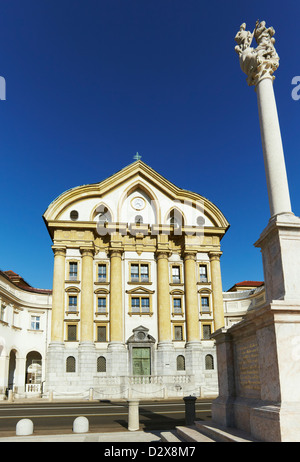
(35, 322)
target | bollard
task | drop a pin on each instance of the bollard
(133, 415)
(80, 425)
(51, 396)
(91, 394)
(10, 396)
(24, 427)
(190, 413)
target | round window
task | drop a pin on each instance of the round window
(74, 215)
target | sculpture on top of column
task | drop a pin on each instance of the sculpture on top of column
(259, 62)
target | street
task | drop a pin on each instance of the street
(103, 416)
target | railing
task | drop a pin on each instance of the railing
(144, 380)
(33, 388)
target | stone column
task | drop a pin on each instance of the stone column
(116, 348)
(58, 294)
(116, 300)
(165, 347)
(217, 294)
(86, 347)
(87, 295)
(163, 299)
(259, 64)
(277, 183)
(191, 298)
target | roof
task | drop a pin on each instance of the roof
(18, 281)
(246, 285)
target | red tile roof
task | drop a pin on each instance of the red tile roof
(22, 284)
(250, 283)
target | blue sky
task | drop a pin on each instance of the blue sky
(90, 83)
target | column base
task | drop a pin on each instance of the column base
(117, 357)
(168, 345)
(193, 345)
(165, 355)
(116, 346)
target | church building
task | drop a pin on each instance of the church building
(137, 288)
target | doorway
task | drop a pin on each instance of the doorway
(141, 361)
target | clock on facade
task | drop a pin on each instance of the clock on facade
(138, 203)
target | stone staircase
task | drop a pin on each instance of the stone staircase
(206, 432)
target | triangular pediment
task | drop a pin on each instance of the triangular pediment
(140, 290)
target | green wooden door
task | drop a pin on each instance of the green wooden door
(141, 360)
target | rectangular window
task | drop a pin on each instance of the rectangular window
(73, 271)
(177, 309)
(101, 333)
(144, 273)
(102, 305)
(203, 273)
(205, 304)
(176, 274)
(178, 333)
(73, 303)
(206, 331)
(35, 322)
(134, 273)
(139, 272)
(72, 333)
(145, 305)
(102, 273)
(140, 305)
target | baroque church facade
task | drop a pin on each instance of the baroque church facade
(137, 293)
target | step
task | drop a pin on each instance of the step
(223, 434)
(170, 437)
(192, 435)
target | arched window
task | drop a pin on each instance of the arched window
(180, 363)
(138, 219)
(101, 364)
(71, 364)
(175, 218)
(209, 362)
(102, 214)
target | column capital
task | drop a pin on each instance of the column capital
(189, 255)
(215, 255)
(87, 251)
(162, 254)
(115, 252)
(59, 250)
